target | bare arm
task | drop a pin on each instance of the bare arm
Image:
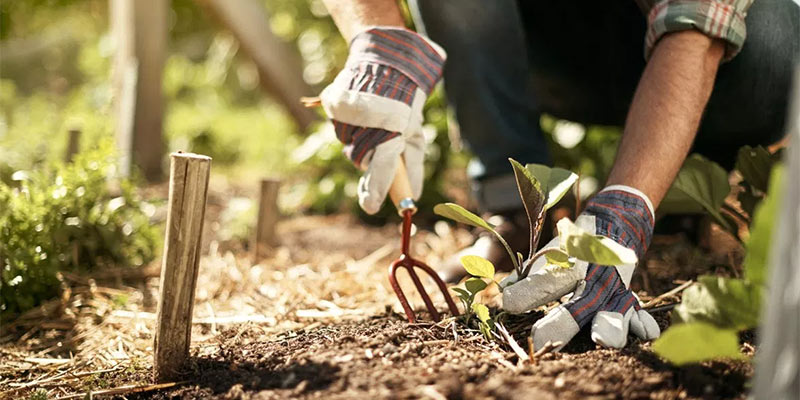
(665, 113)
(353, 16)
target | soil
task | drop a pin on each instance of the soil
(385, 357)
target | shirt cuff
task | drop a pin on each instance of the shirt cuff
(715, 18)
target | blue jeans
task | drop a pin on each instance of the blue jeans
(509, 61)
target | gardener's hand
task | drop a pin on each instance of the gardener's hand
(600, 293)
(376, 107)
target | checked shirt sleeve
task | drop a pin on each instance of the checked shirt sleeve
(720, 19)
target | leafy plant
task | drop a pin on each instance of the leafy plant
(68, 217)
(702, 187)
(714, 309)
(540, 188)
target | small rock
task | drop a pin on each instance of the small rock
(559, 383)
(388, 348)
(301, 387)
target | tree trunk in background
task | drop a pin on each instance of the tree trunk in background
(778, 358)
(279, 66)
(139, 29)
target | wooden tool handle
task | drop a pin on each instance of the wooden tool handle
(400, 191)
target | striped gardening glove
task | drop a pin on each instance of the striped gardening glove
(376, 103)
(600, 293)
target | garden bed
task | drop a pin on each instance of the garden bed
(317, 319)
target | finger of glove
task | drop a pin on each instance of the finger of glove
(644, 325)
(414, 156)
(542, 287)
(610, 329)
(360, 142)
(601, 284)
(375, 183)
(557, 326)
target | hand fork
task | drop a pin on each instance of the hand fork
(400, 193)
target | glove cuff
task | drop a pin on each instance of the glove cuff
(420, 59)
(625, 215)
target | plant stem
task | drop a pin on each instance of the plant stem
(536, 256)
(508, 249)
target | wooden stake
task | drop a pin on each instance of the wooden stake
(268, 214)
(73, 143)
(188, 189)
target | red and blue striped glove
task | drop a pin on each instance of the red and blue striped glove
(601, 293)
(376, 103)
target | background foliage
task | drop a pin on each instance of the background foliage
(67, 217)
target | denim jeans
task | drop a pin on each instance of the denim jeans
(509, 61)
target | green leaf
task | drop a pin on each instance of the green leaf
(701, 184)
(462, 294)
(726, 302)
(695, 342)
(460, 214)
(532, 199)
(481, 311)
(755, 164)
(475, 285)
(558, 257)
(478, 266)
(592, 248)
(555, 182)
(759, 244)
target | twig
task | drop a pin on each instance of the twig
(665, 307)
(672, 292)
(62, 377)
(548, 347)
(123, 390)
(435, 342)
(511, 342)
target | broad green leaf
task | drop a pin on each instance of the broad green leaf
(463, 294)
(695, 342)
(558, 257)
(475, 285)
(726, 302)
(533, 200)
(755, 164)
(478, 266)
(555, 182)
(592, 248)
(760, 241)
(702, 183)
(481, 311)
(460, 214)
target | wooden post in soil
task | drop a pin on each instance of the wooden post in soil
(73, 143)
(268, 214)
(188, 189)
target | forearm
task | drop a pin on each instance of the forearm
(665, 113)
(353, 16)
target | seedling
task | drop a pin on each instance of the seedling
(715, 309)
(540, 188)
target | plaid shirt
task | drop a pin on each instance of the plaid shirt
(721, 19)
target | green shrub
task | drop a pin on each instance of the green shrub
(68, 217)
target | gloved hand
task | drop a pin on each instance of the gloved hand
(376, 106)
(600, 293)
